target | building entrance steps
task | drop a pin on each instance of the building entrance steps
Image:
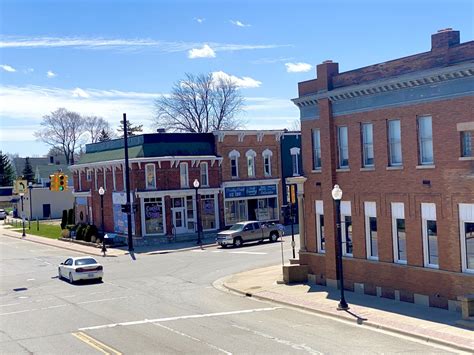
(424, 323)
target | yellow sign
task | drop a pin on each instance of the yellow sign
(20, 186)
(293, 193)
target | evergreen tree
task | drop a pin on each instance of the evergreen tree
(28, 173)
(131, 129)
(103, 136)
(6, 171)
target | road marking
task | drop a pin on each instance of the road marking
(11, 304)
(280, 341)
(103, 300)
(198, 251)
(30, 280)
(193, 338)
(95, 343)
(193, 316)
(247, 252)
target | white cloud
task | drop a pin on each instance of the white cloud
(124, 44)
(78, 92)
(200, 20)
(28, 70)
(238, 23)
(50, 74)
(204, 52)
(298, 67)
(7, 68)
(243, 82)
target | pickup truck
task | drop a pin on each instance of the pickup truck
(249, 231)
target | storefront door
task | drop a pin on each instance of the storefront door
(179, 220)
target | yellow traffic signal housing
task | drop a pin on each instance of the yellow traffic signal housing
(53, 183)
(62, 182)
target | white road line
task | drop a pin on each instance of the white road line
(193, 316)
(11, 304)
(247, 252)
(295, 346)
(103, 300)
(198, 251)
(193, 338)
(26, 310)
(30, 280)
(217, 251)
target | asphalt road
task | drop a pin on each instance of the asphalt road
(164, 303)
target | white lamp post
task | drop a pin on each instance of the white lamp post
(101, 193)
(198, 217)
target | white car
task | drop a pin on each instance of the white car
(82, 268)
(3, 214)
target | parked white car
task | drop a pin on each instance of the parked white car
(3, 214)
(82, 268)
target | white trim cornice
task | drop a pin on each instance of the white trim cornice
(250, 182)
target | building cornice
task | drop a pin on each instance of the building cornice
(250, 182)
(242, 133)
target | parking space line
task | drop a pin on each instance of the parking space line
(95, 343)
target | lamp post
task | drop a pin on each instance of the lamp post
(101, 193)
(22, 194)
(30, 187)
(337, 196)
(198, 217)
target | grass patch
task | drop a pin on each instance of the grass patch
(47, 230)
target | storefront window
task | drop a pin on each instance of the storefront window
(267, 209)
(235, 211)
(208, 212)
(153, 208)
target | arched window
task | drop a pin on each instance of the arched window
(150, 176)
(295, 155)
(267, 162)
(234, 163)
(251, 162)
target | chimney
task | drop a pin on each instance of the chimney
(161, 130)
(325, 71)
(444, 39)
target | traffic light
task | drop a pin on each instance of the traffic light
(53, 183)
(62, 182)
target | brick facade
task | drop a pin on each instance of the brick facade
(403, 89)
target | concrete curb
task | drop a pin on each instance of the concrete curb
(328, 314)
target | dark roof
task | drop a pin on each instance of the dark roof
(151, 145)
(42, 165)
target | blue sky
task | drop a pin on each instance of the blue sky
(108, 57)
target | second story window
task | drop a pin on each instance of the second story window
(150, 176)
(250, 163)
(183, 175)
(267, 162)
(466, 144)
(89, 175)
(343, 147)
(425, 140)
(204, 174)
(394, 143)
(367, 145)
(234, 164)
(316, 149)
(295, 157)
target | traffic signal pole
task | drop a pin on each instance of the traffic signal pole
(127, 185)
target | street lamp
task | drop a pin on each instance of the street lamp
(22, 194)
(337, 196)
(30, 187)
(198, 217)
(101, 193)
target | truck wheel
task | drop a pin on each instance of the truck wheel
(273, 237)
(237, 242)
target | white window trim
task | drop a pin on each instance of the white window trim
(420, 158)
(250, 165)
(201, 165)
(398, 212)
(466, 215)
(114, 182)
(95, 179)
(319, 211)
(267, 154)
(428, 213)
(390, 147)
(371, 206)
(316, 168)
(146, 176)
(104, 171)
(339, 148)
(142, 206)
(234, 155)
(345, 212)
(186, 175)
(79, 180)
(88, 175)
(295, 152)
(364, 143)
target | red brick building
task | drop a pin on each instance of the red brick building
(251, 174)
(397, 137)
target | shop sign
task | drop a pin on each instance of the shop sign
(250, 191)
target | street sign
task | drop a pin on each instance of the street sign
(20, 186)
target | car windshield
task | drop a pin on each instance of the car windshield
(88, 261)
(237, 227)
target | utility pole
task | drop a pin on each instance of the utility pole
(127, 185)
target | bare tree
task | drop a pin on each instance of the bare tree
(295, 125)
(200, 103)
(95, 125)
(63, 129)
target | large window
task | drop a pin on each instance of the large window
(204, 174)
(425, 140)
(295, 157)
(267, 162)
(346, 228)
(320, 237)
(466, 144)
(235, 211)
(430, 234)
(267, 209)
(208, 212)
(154, 219)
(394, 143)
(343, 147)
(371, 230)
(316, 149)
(367, 145)
(250, 163)
(399, 233)
(150, 176)
(466, 221)
(234, 164)
(183, 174)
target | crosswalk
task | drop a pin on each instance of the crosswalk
(228, 252)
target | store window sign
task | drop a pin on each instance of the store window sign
(250, 191)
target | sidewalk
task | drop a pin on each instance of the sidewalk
(428, 324)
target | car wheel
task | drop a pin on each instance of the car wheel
(273, 237)
(99, 279)
(223, 246)
(237, 242)
(71, 279)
